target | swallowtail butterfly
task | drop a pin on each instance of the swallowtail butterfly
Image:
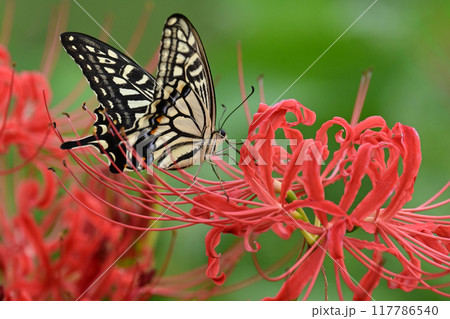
(169, 120)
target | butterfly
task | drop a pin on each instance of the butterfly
(169, 121)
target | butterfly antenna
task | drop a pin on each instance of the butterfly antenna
(223, 113)
(248, 96)
(235, 143)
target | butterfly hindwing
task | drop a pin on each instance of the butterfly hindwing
(105, 139)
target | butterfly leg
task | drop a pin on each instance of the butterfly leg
(213, 166)
(222, 152)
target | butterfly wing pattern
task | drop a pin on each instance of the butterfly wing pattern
(170, 120)
(184, 120)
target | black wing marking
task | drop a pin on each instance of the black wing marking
(105, 140)
(178, 135)
(124, 88)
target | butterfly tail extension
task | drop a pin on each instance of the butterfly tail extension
(107, 144)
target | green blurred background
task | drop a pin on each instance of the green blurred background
(405, 42)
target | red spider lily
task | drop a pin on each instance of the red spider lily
(23, 119)
(61, 256)
(256, 202)
(71, 254)
(368, 150)
(67, 253)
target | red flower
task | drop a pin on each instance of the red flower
(366, 150)
(23, 117)
(62, 256)
(257, 202)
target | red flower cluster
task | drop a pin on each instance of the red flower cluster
(23, 118)
(368, 152)
(51, 248)
(63, 255)
(372, 161)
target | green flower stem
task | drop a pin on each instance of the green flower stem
(298, 213)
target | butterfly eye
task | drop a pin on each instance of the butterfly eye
(223, 133)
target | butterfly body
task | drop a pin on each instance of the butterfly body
(170, 120)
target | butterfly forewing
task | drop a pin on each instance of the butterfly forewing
(124, 88)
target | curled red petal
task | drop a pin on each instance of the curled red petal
(409, 141)
(276, 116)
(377, 196)
(324, 206)
(358, 171)
(253, 176)
(294, 166)
(248, 242)
(283, 231)
(335, 241)
(212, 240)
